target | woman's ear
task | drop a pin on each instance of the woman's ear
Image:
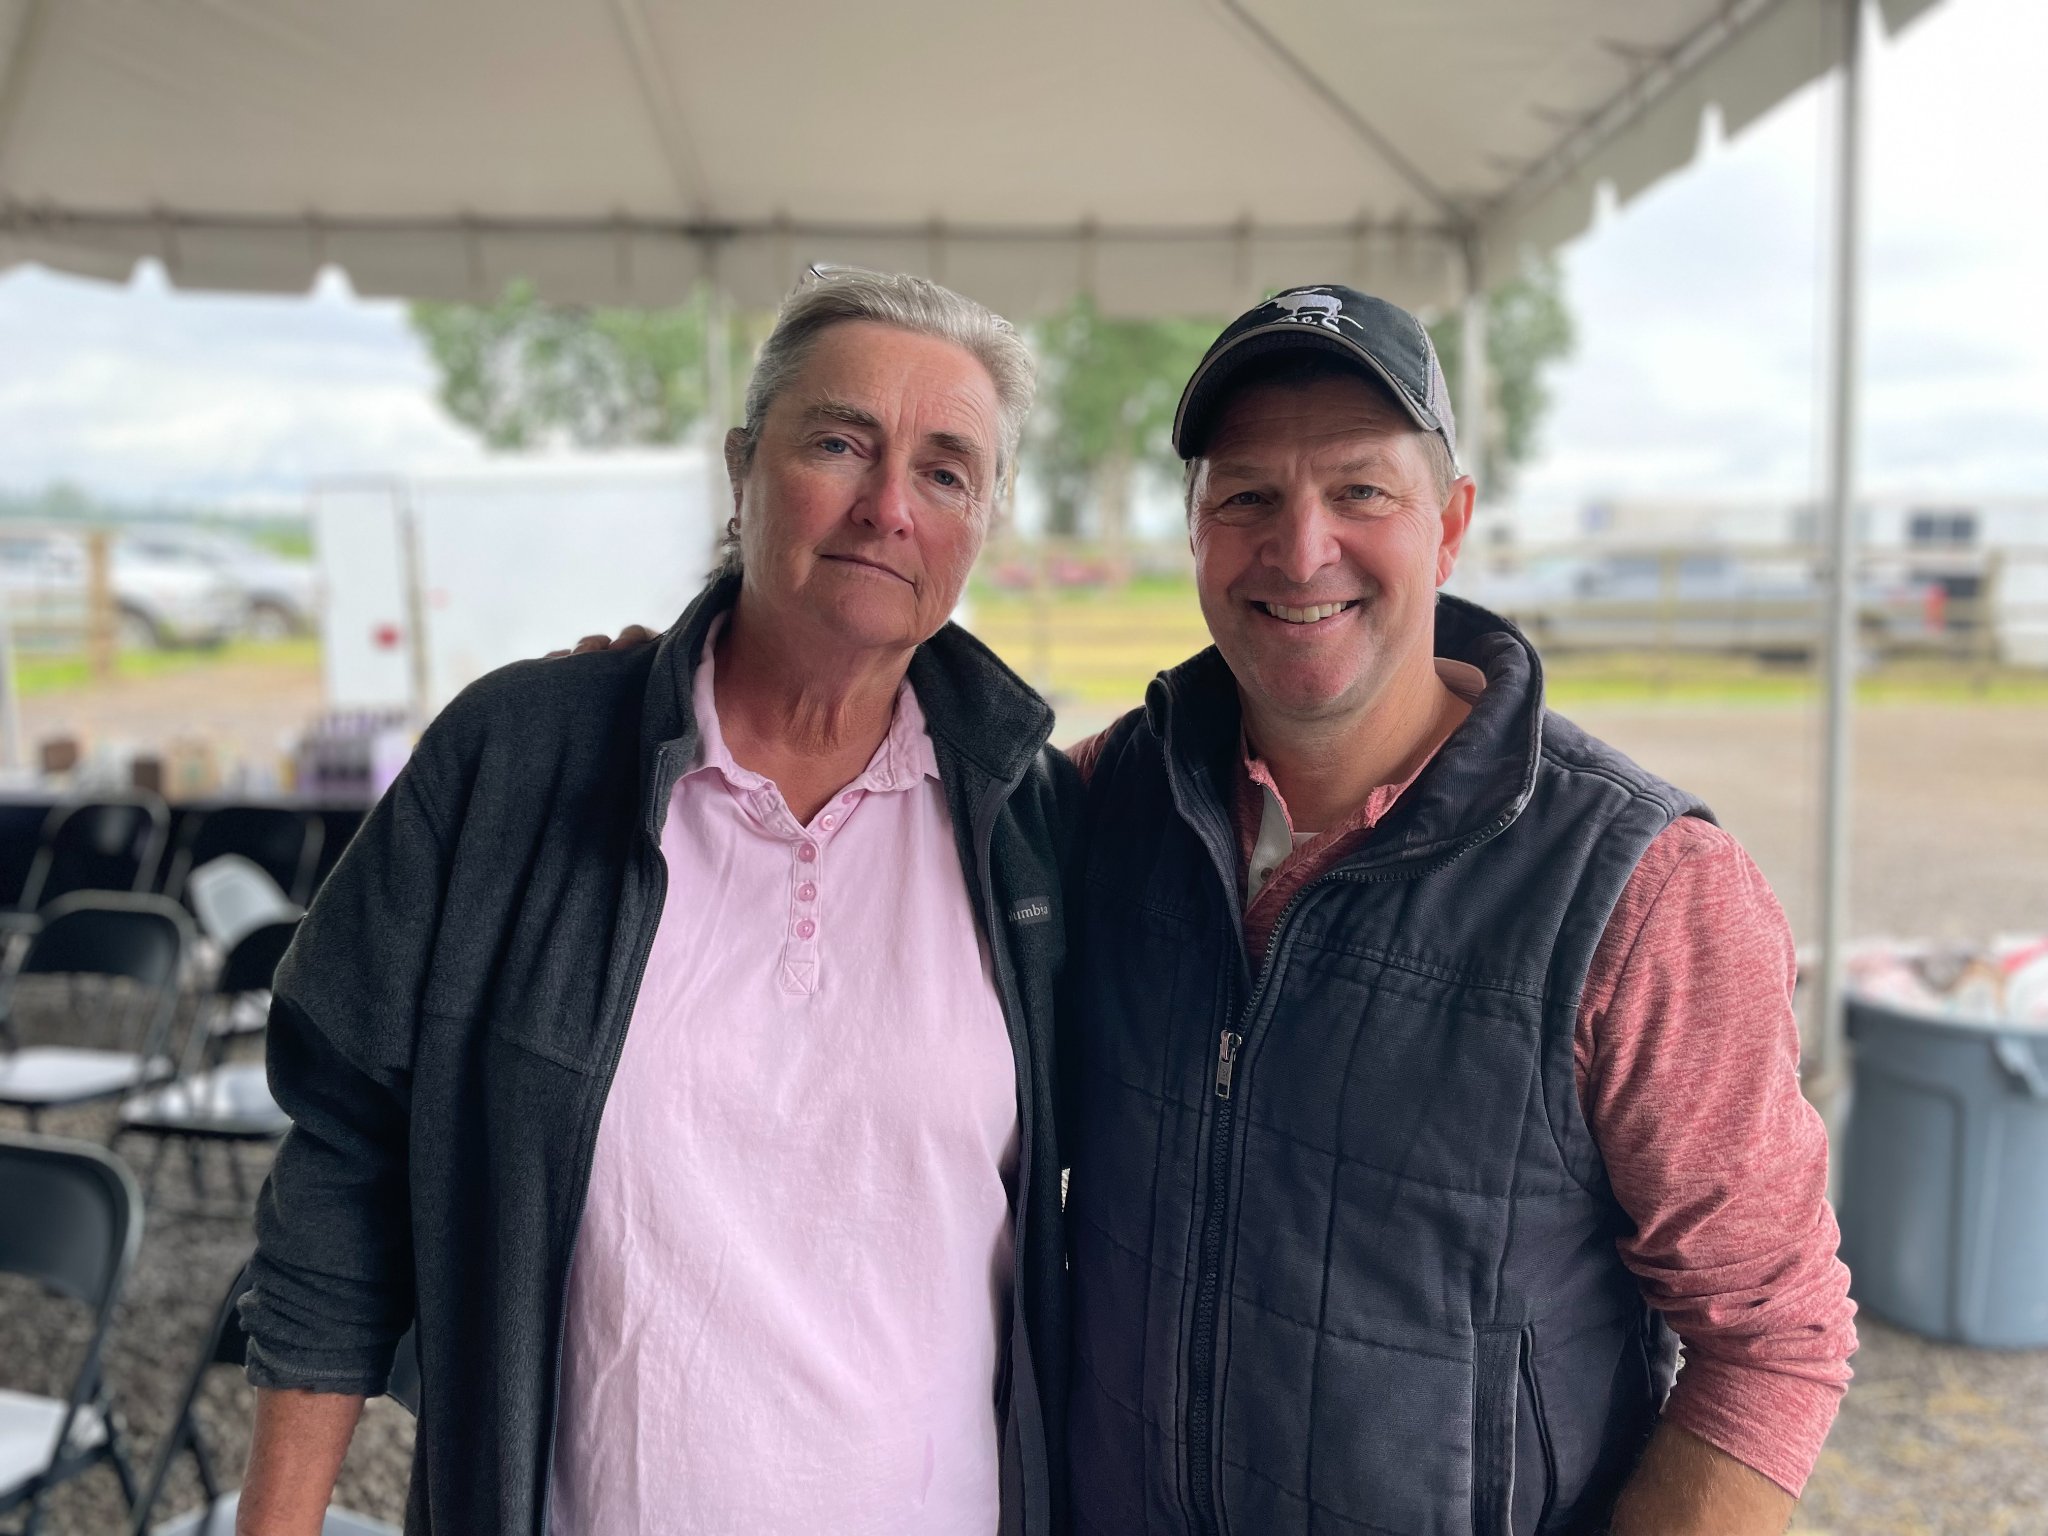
(736, 464)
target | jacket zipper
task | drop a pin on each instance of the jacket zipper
(993, 800)
(1202, 1358)
(1205, 1506)
(603, 1088)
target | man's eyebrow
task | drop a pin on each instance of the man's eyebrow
(1377, 459)
(1239, 469)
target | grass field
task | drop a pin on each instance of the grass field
(58, 673)
(1101, 647)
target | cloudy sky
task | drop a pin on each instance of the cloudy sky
(1697, 370)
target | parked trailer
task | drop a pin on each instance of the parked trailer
(432, 580)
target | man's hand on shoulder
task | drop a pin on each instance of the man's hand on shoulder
(629, 637)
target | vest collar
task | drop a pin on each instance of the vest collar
(975, 708)
(1474, 789)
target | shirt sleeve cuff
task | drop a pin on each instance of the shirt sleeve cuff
(1772, 1423)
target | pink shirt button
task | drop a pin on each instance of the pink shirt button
(828, 821)
(807, 892)
(849, 797)
(806, 929)
(807, 852)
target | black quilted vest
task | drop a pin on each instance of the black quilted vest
(1343, 1251)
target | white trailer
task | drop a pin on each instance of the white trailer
(432, 580)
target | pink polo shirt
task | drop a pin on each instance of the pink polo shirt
(794, 1264)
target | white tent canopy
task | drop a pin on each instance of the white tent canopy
(1168, 156)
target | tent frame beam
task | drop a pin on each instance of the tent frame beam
(51, 220)
(664, 113)
(1345, 113)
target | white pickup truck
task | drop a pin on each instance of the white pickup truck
(1699, 600)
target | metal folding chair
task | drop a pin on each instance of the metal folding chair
(141, 939)
(284, 843)
(70, 1219)
(208, 1101)
(227, 1345)
(112, 843)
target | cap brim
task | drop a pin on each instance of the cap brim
(1194, 418)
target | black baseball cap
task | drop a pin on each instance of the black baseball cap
(1383, 340)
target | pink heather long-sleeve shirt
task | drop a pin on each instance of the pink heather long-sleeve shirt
(794, 1264)
(1687, 1057)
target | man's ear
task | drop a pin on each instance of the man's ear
(736, 464)
(1456, 523)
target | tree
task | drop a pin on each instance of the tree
(526, 374)
(1528, 328)
(1107, 393)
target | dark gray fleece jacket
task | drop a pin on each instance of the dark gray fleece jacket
(446, 1026)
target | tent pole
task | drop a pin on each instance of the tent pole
(1828, 1076)
(420, 667)
(11, 755)
(1472, 392)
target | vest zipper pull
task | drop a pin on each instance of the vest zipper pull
(1226, 1061)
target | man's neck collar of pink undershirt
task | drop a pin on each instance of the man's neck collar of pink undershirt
(1463, 679)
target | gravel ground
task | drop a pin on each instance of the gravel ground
(249, 706)
(1948, 808)
(1934, 1440)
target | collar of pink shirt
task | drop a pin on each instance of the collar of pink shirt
(903, 760)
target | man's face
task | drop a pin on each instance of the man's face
(870, 488)
(1320, 540)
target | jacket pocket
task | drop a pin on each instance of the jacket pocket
(547, 1038)
(1511, 1482)
(1535, 1459)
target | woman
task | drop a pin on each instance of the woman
(726, 964)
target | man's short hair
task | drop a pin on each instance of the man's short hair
(1298, 369)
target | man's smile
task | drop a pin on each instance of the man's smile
(1315, 613)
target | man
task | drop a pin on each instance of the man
(1429, 1060)
(617, 972)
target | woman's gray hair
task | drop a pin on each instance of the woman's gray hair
(834, 295)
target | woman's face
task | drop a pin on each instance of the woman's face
(870, 489)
